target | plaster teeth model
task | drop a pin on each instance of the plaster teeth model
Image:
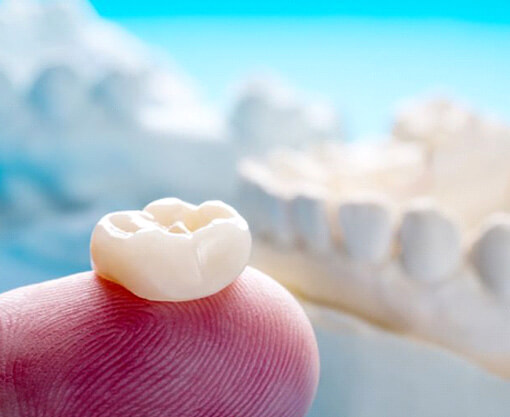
(491, 254)
(397, 261)
(431, 246)
(366, 227)
(309, 215)
(172, 251)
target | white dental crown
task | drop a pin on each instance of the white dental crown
(172, 250)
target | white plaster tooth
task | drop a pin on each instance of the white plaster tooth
(310, 220)
(267, 200)
(491, 254)
(431, 243)
(58, 94)
(276, 208)
(120, 93)
(366, 227)
(250, 197)
(172, 251)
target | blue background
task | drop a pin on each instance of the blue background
(365, 66)
(365, 56)
(486, 11)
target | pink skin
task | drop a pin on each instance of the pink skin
(83, 346)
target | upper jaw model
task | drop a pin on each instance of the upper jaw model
(407, 234)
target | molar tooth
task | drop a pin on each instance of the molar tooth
(172, 251)
(311, 223)
(120, 93)
(58, 94)
(491, 254)
(367, 228)
(431, 243)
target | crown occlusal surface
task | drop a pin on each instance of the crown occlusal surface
(172, 250)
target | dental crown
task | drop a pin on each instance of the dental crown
(172, 250)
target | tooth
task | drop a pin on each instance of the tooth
(172, 250)
(276, 209)
(367, 229)
(267, 204)
(119, 93)
(431, 244)
(252, 198)
(311, 223)
(491, 254)
(263, 209)
(58, 94)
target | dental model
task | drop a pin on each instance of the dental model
(393, 235)
(172, 250)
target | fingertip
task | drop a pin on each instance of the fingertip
(88, 344)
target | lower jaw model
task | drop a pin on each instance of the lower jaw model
(411, 303)
(383, 339)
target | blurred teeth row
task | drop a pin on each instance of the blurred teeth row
(424, 240)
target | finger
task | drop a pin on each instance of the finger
(82, 346)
